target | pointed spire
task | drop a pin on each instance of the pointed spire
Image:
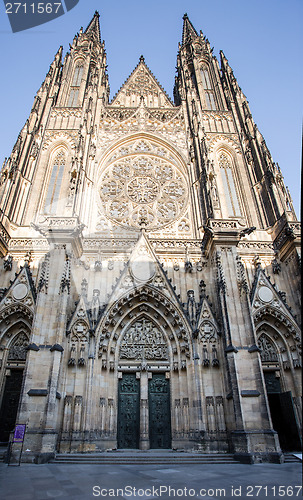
(189, 32)
(93, 29)
(57, 59)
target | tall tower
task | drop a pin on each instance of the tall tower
(150, 279)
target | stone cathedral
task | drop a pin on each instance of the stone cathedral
(150, 266)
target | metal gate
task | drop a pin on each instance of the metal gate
(159, 412)
(128, 411)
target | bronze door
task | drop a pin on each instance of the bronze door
(159, 412)
(128, 411)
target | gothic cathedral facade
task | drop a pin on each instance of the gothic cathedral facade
(150, 266)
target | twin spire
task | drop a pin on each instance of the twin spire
(189, 33)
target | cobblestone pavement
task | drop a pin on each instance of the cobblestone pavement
(74, 481)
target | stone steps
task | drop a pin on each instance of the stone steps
(3, 453)
(143, 457)
(291, 457)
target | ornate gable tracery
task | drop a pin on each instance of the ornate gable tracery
(19, 297)
(141, 85)
(270, 313)
(270, 304)
(161, 316)
(119, 122)
(78, 331)
(207, 334)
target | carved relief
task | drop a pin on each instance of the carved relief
(143, 341)
(18, 349)
(79, 332)
(268, 350)
(207, 332)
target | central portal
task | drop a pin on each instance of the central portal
(133, 417)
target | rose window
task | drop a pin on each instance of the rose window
(143, 190)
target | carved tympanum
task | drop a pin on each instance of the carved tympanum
(143, 341)
(268, 351)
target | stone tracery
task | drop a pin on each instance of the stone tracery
(144, 186)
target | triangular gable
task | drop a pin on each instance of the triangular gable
(265, 294)
(141, 84)
(80, 317)
(143, 268)
(207, 326)
(21, 291)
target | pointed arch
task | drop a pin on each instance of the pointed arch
(226, 169)
(156, 308)
(76, 80)
(58, 162)
(208, 88)
(272, 326)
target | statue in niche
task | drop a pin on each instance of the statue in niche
(95, 308)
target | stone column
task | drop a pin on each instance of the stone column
(253, 438)
(144, 412)
(41, 405)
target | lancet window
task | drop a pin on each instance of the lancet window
(75, 87)
(209, 94)
(55, 183)
(229, 187)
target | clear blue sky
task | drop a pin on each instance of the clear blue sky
(261, 39)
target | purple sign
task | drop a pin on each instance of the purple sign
(19, 433)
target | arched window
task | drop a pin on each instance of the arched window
(55, 182)
(205, 79)
(75, 87)
(230, 193)
(77, 76)
(209, 94)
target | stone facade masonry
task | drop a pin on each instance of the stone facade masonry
(147, 240)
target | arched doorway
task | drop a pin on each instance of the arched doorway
(145, 357)
(144, 408)
(12, 384)
(277, 367)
